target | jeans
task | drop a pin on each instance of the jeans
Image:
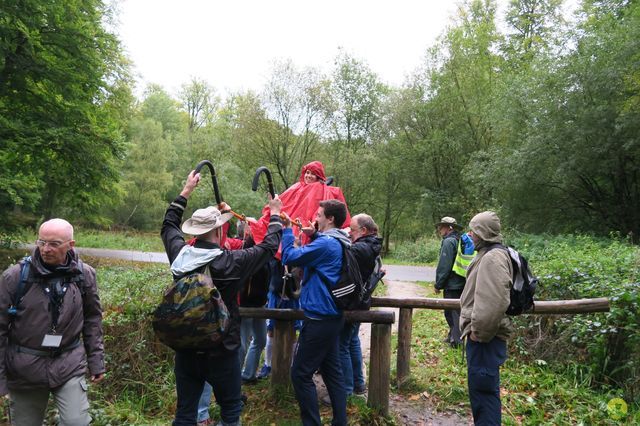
(205, 401)
(483, 372)
(222, 372)
(351, 357)
(253, 336)
(28, 406)
(453, 317)
(318, 348)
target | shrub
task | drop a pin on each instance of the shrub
(422, 250)
(575, 267)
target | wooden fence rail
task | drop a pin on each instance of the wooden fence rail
(380, 356)
(541, 307)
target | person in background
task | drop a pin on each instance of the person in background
(447, 279)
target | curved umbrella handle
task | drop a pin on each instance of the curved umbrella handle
(214, 180)
(329, 181)
(256, 180)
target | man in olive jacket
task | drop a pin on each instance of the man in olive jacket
(446, 278)
(484, 302)
(56, 333)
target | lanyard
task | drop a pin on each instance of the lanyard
(55, 291)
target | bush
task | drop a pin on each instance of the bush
(575, 267)
(423, 250)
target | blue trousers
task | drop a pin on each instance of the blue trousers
(222, 372)
(318, 348)
(351, 357)
(253, 336)
(483, 375)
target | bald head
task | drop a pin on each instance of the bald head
(55, 239)
(58, 226)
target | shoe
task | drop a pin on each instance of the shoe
(326, 400)
(206, 422)
(264, 372)
(360, 391)
(251, 381)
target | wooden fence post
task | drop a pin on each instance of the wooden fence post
(403, 362)
(284, 336)
(379, 368)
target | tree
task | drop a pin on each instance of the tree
(64, 91)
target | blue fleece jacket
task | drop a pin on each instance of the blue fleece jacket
(323, 255)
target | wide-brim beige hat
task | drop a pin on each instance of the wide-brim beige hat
(449, 221)
(205, 220)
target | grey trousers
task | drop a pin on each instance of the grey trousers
(453, 318)
(28, 406)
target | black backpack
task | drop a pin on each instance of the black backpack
(524, 283)
(348, 293)
(371, 284)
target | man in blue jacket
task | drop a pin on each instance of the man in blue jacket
(318, 341)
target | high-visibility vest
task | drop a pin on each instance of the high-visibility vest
(462, 261)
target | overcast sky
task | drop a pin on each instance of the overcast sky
(232, 44)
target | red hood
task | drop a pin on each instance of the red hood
(314, 167)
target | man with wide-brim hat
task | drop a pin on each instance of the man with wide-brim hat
(205, 220)
(229, 270)
(447, 279)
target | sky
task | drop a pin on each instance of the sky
(232, 44)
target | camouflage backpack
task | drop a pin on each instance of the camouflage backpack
(192, 314)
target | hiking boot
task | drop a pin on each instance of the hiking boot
(264, 372)
(360, 391)
(221, 423)
(251, 381)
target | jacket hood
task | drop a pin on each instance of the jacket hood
(191, 258)
(486, 225)
(339, 235)
(314, 167)
(69, 267)
(374, 241)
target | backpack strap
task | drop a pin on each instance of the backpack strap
(21, 289)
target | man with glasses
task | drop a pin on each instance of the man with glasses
(50, 330)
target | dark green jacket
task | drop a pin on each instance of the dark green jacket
(446, 279)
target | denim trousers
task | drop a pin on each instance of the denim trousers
(222, 372)
(351, 357)
(483, 375)
(318, 348)
(253, 338)
(204, 402)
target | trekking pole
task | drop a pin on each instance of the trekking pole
(216, 190)
(254, 186)
(256, 180)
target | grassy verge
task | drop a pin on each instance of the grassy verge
(533, 391)
(119, 240)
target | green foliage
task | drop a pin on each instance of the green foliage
(575, 267)
(63, 93)
(423, 250)
(121, 240)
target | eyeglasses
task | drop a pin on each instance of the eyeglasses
(53, 244)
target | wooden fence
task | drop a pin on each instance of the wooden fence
(381, 321)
